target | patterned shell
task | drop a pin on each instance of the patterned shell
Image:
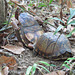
(30, 29)
(50, 45)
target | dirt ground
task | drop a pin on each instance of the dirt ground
(27, 58)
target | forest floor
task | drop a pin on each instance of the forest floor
(26, 58)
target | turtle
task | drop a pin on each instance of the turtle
(29, 30)
(55, 47)
(47, 44)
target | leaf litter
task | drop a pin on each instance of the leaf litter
(25, 57)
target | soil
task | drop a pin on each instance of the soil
(27, 58)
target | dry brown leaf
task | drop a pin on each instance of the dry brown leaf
(14, 23)
(5, 70)
(16, 1)
(8, 61)
(59, 72)
(1, 72)
(14, 49)
(69, 4)
(60, 1)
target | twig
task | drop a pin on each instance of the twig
(6, 26)
(10, 16)
(23, 7)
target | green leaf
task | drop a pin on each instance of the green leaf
(22, 8)
(11, 3)
(29, 9)
(28, 71)
(72, 22)
(52, 65)
(71, 59)
(44, 68)
(55, 5)
(58, 29)
(66, 66)
(5, 22)
(49, 24)
(30, 4)
(13, 15)
(67, 62)
(72, 13)
(70, 34)
(50, 1)
(55, 18)
(45, 63)
(42, 5)
(34, 68)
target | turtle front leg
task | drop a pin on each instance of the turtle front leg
(30, 45)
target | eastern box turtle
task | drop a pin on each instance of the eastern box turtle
(52, 46)
(30, 30)
(46, 44)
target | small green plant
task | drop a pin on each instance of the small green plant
(4, 26)
(31, 69)
(69, 64)
(72, 14)
(31, 3)
(43, 3)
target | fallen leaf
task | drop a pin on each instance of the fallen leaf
(14, 49)
(8, 61)
(60, 1)
(59, 72)
(5, 70)
(69, 4)
(1, 72)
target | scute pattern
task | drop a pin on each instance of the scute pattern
(49, 46)
(26, 19)
(30, 30)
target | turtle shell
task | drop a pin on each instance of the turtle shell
(53, 46)
(30, 30)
